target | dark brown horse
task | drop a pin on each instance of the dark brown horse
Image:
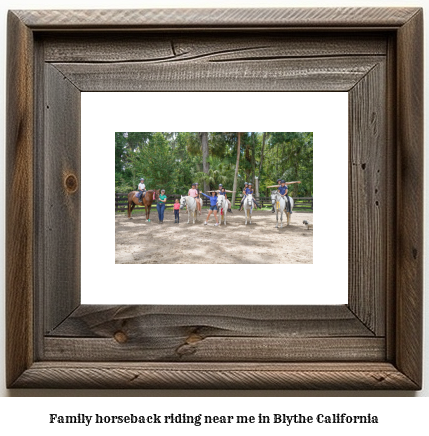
(148, 199)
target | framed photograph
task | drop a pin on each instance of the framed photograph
(57, 340)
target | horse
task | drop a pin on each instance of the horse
(191, 206)
(146, 201)
(248, 206)
(222, 202)
(279, 203)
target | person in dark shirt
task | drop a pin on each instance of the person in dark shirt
(283, 189)
(279, 183)
(223, 191)
(246, 192)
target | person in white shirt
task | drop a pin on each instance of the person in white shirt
(142, 189)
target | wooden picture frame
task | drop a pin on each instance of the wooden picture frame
(373, 342)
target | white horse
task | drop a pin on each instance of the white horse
(247, 207)
(222, 202)
(279, 204)
(191, 206)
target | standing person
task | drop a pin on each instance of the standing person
(161, 206)
(213, 207)
(279, 184)
(176, 210)
(198, 202)
(194, 193)
(142, 189)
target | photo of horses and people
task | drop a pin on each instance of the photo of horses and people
(213, 197)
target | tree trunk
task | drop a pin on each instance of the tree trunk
(236, 170)
(204, 137)
(253, 162)
(262, 154)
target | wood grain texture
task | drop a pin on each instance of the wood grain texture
(213, 333)
(367, 199)
(19, 199)
(307, 74)
(99, 321)
(391, 192)
(410, 213)
(215, 376)
(61, 208)
(209, 18)
(190, 347)
(193, 348)
(172, 47)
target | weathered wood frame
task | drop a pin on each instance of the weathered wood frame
(374, 342)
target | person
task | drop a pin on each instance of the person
(223, 191)
(279, 183)
(246, 186)
(246, 192)
(176, 208)
(142, 190)
(283, 192)
(213, 207)
(194, 193)
(161, 206)
(198, 202)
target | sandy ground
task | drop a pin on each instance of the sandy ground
(138, 241)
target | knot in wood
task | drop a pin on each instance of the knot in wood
(71, 183)
(120, 337)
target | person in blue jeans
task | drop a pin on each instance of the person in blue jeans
(213, 206)
(161, 206)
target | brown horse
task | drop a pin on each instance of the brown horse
(148, 198)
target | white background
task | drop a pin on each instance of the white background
(400, 414)
(323, 113)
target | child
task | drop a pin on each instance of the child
(246, 186)
(283, 189)
(246, 191)
(279, 184)
(176, 207)
(223, 191)
(142, 189)
(213, 207)
(194, 193)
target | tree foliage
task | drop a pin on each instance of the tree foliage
(174, 160)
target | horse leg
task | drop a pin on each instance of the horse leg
(148, 212)
(188, 214)
(131, 208)
(277, 218)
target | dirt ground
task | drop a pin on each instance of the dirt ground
(138, 241)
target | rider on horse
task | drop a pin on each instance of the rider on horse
(279, 184)
(195, 194)
(223, 191)
(246, 191)
(283, 189)
(142, 190)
